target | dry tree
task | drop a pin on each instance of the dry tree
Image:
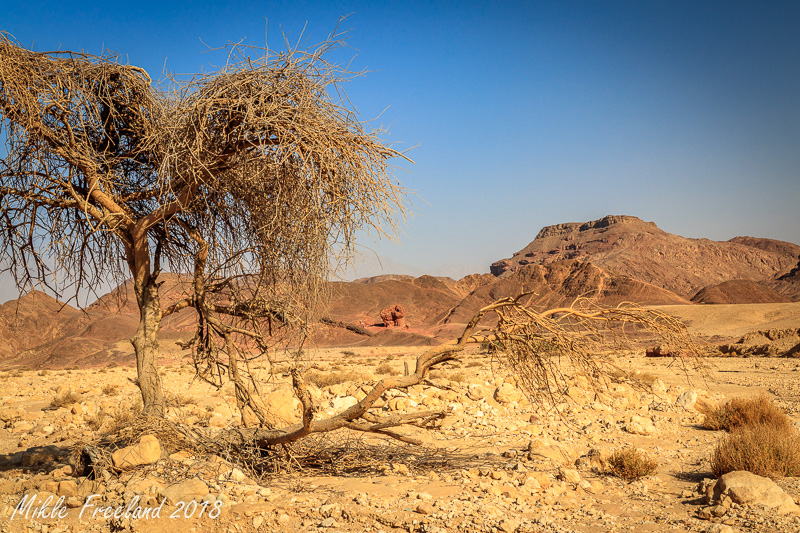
(249, 178)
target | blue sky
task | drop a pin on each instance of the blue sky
(523, 114)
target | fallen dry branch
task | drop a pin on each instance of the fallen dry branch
(536, 346)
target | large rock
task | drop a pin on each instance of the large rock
(282, 406)
(145, 452)
(394, 316)
(746, 488)
(507, 393)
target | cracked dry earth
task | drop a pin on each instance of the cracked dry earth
(496, 464)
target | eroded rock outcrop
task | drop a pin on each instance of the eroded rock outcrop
(394, 316)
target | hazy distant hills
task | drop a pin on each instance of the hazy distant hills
(615, 259)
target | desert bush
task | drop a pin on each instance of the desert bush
(747, 411)
(110, 389)
(326, 379)
(457, 377)
(63, 400)
(763, 449)
(630, 464)
(44, 372)
(384, 368)
(348, 353)
(115, 419)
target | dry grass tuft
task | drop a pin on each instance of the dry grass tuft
(66, 399)
(326, 379)
(457, 377)
(762, 439)
(764, 450)
(741, 412)
(115, 419)
(385, 368)
(630, 464)
(110, 389)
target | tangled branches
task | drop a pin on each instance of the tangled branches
(538, 346)
(253, 178)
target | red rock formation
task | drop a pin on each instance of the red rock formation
(394, 316)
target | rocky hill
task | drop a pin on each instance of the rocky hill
(614, 259)
(628, 246)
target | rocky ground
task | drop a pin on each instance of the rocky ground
(496, 464)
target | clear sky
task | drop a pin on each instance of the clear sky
(523, 114)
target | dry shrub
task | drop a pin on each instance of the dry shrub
(110, 389)
(384, 369)
(763, 449)
(457, 377)
(630, 464)
(326, 379)
(741, 412)
(115, 419)
(66, 399)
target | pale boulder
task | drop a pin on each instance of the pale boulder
(746, 488)
(640, 425)
(145, 452)
(686, 399)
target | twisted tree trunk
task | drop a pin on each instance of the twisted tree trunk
(145, 344)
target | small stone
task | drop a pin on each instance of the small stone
(508, 525)
(424, 508)
(67, 488)
(331, 510)
(186, 491)
(328, 522)
(687, 399)
(72, 502)
(569, 475)
(401, 469)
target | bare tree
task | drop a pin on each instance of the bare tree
(249, 179)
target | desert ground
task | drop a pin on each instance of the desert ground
(496, 463)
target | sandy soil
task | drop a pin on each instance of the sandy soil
(497, 463)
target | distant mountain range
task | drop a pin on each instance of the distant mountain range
(615, 259)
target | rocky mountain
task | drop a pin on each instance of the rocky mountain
(628, 246)
(615, 259)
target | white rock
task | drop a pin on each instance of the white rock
(687, 399)
(640, 425)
